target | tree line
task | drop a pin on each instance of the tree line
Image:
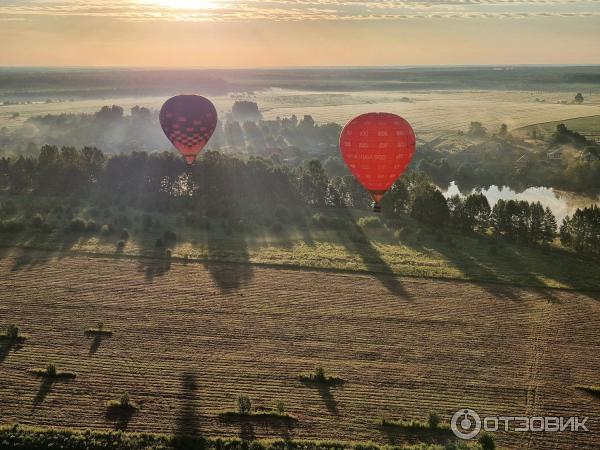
(161, 182)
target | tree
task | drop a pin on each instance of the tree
(244, 404)
(476, 129)
(579, 98)
(429, 207)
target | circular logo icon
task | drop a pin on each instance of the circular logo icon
(465, 424)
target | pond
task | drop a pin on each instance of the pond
(561, 203)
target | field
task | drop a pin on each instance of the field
(431, 112)
(588, 126)
(187, 341)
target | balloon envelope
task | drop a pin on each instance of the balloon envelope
(377, 148)
(188, 121)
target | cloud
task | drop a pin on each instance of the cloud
(300, 10)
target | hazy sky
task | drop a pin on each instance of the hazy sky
(253, 33)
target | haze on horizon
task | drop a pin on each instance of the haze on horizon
(258, 33)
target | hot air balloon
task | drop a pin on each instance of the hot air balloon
(377, 148)
(188, 121)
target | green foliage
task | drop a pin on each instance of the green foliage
(77, 225)
(582, 231)
(433, 420)
(487, 442)
(370, 222)
(16, 437)
(244, 404)
(320, 377)
(326, 221)
(123, 403)
(11, 226)
(11, 334)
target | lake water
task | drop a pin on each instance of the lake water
(561, 203)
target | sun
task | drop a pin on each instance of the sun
(184, 4)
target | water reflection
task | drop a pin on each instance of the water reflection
(561, 203)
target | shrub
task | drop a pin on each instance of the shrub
(433, 420)
(487, 442)
(123, 404)
(106, 229)
(11, 226)
(120, 245)
(334, 223)
(370, 222)
(77, 225)
(124, 234)
(244, 404)
(280, 407)
(51, 371)
(37, 221)
(11, 333)
(320, 377)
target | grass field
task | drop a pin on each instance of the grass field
(189, 340)
(588, 126)
(431, 112)
(408, 251)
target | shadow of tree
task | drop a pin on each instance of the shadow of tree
(44, 389)
(188, 422)
(7, 346)
(356, 241)
(325, 391)
(121, 416)
(95, 344)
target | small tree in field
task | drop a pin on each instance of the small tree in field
(579, 98)
(244, 404)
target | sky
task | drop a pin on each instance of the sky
(281, 33)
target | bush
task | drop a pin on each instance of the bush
(120, 245)
(433, 420)
(52, 372)
(11, 226)
(280, 407)
(77, 225)
(334, 223)
(370, 222)
(106, 229)
(487, 442)
(37, 221)
(11, 333)
(124, 234)
(244, 404)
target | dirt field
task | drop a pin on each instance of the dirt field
(189, 338)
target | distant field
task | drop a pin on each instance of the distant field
(588, 126)
(187, 341)
(431, 112)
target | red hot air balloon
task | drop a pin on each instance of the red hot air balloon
(188, 121)
(377, 148)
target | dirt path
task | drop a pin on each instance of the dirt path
(189, 338)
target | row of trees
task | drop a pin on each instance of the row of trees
(217, 182)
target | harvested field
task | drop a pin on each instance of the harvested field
(188, 341)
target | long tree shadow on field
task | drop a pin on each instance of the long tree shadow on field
(358, 243)
(44, 389)
(188, 422)
(7, 346)
(474, 267)
(228, 243)
(325, 392)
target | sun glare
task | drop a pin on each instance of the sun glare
(184, 4)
